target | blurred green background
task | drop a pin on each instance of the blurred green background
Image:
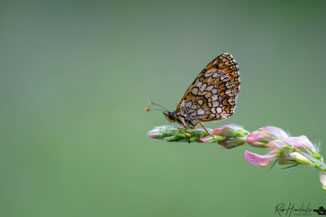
(76, 76)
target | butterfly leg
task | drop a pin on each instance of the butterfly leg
(206, 129)
(180, 129)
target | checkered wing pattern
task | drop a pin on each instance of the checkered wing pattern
(226, 63)
(212, 95)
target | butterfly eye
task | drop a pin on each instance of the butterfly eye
(169, 116)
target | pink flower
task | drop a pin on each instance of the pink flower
(258, 160)
(209, 139)
(231, 142)
(228, 136)
(226, 129)
(301, 142)
(150, 134)
(276, 146)
(262, 136)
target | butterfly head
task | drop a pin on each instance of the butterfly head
(170, 116)
(186, 121)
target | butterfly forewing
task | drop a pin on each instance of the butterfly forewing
(213, 93)
(227, 64)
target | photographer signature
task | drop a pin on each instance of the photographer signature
(287, 210)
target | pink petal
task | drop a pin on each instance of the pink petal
(258, 160)
(219, 130)
(262, 136)
(223, 129)
(256, 139)
(150, 134)
(204, 139)
(276, 131)
(276, 146)
(301, 142)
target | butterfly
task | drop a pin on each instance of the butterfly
(211, 96)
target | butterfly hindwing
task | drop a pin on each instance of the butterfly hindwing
(211, 98)
(212, 95)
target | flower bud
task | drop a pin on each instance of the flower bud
(299, 158)
(211, 139)
(227, 130)
(283, 159)
(232, 142)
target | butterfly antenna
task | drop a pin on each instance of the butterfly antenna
(153, 103)
(147, 109)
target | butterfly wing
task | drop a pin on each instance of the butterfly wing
(213, 93)
(226, 63)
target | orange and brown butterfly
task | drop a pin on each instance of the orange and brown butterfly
(211, 96)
